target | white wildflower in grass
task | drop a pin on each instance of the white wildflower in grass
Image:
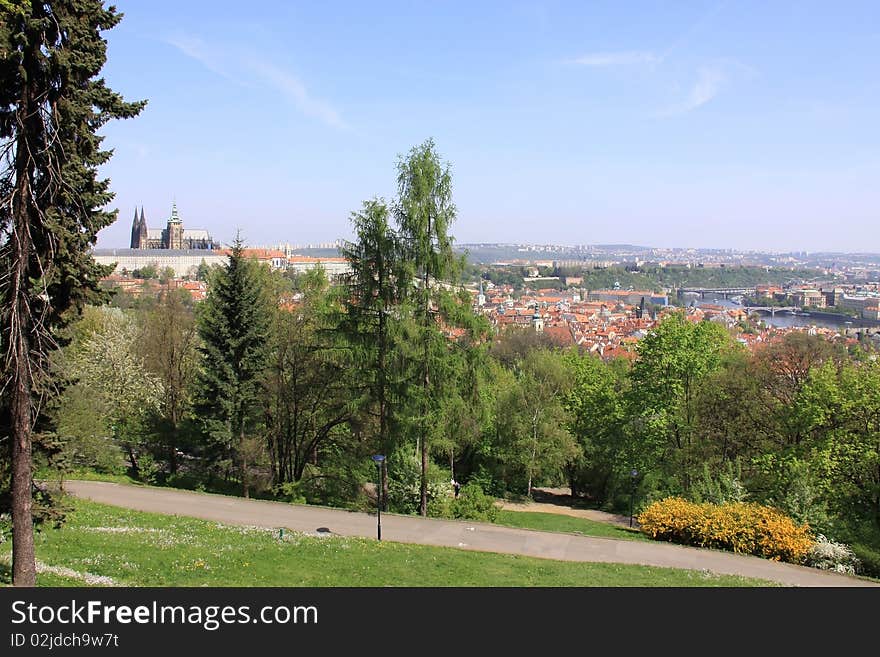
(88, 578)
(125, 530)
(62, 571)
(252, 530)
(830, 555)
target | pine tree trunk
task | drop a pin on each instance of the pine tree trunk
(21, 321)
(244, 464)
(24, 571)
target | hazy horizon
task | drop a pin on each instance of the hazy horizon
(705, 125)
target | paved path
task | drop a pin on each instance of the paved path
(449, 533)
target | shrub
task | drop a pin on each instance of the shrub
(738, 526)
(327, 486)
(404, 485)
(869, 557)
(487, 481)
(720, 487)
(794, 487)
(290, 491)
(473, 504)
(829, 555)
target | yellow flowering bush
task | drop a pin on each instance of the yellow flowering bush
(737, 526)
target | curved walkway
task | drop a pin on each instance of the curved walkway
(450, 533)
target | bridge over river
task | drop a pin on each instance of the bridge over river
(773, 309)
(723, 292)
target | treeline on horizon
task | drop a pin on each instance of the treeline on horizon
(653, 278)
(285, 386)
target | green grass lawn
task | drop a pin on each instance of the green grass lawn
(144, 549)
(556, 522)
(51, 476)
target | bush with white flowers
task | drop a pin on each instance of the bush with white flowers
(830, 555)
(5, 526)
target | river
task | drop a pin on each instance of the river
(787, 320)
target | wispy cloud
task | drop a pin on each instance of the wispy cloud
(295, 91)
(250, 68)
(198, 50)
(710, 81)
(619, 58)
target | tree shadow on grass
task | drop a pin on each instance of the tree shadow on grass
(561, 497)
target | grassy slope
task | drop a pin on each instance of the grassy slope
(144, 549)
(555, 522)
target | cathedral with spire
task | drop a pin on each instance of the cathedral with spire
(173, 236)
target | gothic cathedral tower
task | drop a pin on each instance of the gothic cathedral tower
(175, 230)
(135, 240)
(139, 231)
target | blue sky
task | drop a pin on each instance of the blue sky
(699, 124)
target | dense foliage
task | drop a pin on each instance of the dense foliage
(654, 277)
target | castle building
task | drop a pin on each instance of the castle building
(173, 236)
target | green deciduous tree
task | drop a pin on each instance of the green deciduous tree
(596, 408)
(309, 383)
(840, 410)
(674, 360)
(105, 365)
(168, 344)
(52, 103)
(531, 418)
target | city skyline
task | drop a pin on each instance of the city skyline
(706, 125)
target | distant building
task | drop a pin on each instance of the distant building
(768, 291)
(808, 298)
(333, 267)
(183, 262)
(629, 297)
(832, 296)
(173, 237)
(857, 303)
(538, 322)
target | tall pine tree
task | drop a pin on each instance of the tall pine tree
(234, 327)
(374, 289)
(52, 103)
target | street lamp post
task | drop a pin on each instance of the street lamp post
(379, 459)
(632, 495)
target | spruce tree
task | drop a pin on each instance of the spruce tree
(374, 288)
(52, 104)
(234, 328)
